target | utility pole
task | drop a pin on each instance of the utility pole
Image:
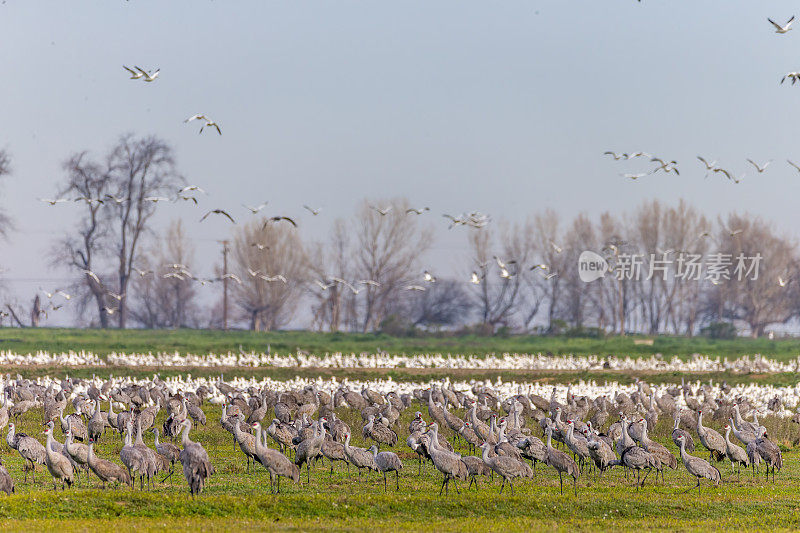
(225, 284)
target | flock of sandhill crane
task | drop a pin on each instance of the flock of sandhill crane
(503, 429)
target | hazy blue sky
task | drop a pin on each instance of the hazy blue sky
(502, 107)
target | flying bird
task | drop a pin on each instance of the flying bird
(667, 167)
(135, 74)
(556, 247)
(794, 76)
(369, 282)
(636, 176)
(278, 219)
(260, 246)
(324, 286)
(417, 211)
(93, 276)
(269, 279)
(187, 198)
(53, 201)
(760, 168)
(63, 294)
(797, 168)
(191, 188)
(233, 277)
(616, 156)
(427, 276)
(155, 199)
(147, 76)
(415, 288)
(782, 29)
(381, 211)
(782, 282)
(709, 166)
(209, 123)
(729, 175)
(142, 273)
(475, 278)
(218, 212)
(311, 210)
(256, 209)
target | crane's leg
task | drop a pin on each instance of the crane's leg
(384, 482)
(575, 485)
(502, 486)
(443, 482)
(397, 479)
(510, 484)
(456, 486)
(561, 481)
(308, 472)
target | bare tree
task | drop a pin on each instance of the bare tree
(443, 303)
(330, 260)
(140, 170)
(273, 276)
(89, 182)
(387, 250)
(164, 297)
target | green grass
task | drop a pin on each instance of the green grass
(211, 341)
(235, 500)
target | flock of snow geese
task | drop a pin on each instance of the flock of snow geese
(595, 428)
(671, 165)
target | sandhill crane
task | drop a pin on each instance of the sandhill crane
(601, 453)
(197, 466)
(475, 467)
(96, 424)
(770, 453)
(79, 453)
(333, 451)
(59, 466)
(505, 466)
(699, 468)
(562, 462)
(677, 432)
(132, 458)
(29, 448)
(247, 441)
(379, 432)
(661, 452)
(6, 482)
(578, 445)
(712, 440)
(358, 457)
(387, 462)
(73, 422)
(277, 464)
(735, 453)
(106, 470)
(168, 451)
(638, 459)
(534, 449)
(310, 448)
(446, 462)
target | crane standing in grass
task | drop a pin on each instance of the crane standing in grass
(699, 468)
(197, 466)
(387, 462)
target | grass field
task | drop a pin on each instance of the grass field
(235, 500)
(211, 341)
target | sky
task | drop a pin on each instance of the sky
(501, 107)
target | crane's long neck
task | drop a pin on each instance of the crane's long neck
(727, 435)
(347, 442)
(485, 453)
(90, 456)
(185, 436)
(155, 442)
(700, 421)
(684, 455)
(61, 416)
(549, 437)
(645, 439)
(258, 438)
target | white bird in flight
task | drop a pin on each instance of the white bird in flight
(782, 29)
(53, 201)
(135, 74)
(796, 167)
(147, 76)
(209, 123)
(427, 276)
(794, 76)
(381, 211)
(415, 288)
(709, 166)
(256, 209)
(665, 166)
(475, 278)
(760, 168)
(417, 211)
(233, 277)
(311, 210)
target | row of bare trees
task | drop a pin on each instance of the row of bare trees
(367, 274)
